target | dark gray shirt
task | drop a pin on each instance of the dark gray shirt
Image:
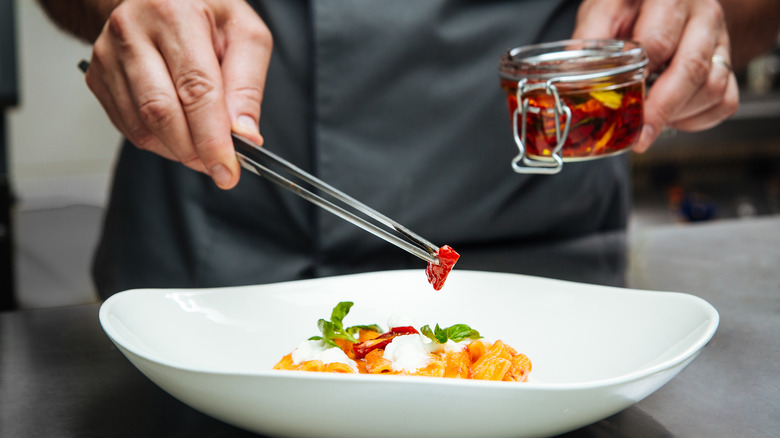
(396, 103)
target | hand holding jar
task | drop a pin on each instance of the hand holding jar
(573, 100)
(688, 42)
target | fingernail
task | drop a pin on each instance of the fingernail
(221, 175)
(246, 122)
(646, 138)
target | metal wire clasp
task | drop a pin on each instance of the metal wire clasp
(522, 163)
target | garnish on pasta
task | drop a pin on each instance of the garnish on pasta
(334, 329)
(457, 333)
(457, 351)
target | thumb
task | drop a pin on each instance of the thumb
(244, 69)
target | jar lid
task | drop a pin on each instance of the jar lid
(572, 60)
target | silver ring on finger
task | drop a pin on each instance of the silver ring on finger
(718, 59)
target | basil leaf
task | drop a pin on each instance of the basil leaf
(328, 332)
(441, 335)
(334, 329)
(457, 333)
(339, 312)
(437, 335)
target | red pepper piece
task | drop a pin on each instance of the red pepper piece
(381, 341)
(437, 274)
(404, 330)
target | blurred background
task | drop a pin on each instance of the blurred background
(58, 148)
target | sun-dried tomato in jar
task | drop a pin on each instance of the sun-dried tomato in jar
(573, 100)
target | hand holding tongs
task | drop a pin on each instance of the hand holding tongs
(260, 161)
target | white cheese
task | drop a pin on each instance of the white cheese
(318, 350)
(399, 320)
(448, 347)
(407, 352)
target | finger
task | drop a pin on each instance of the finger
(244, 68)
(687, 73)
(189, 53)
(157, 108)
(109, 84)
(134, 87)
(598, 19)
(712, 91)
(711, 94)
(95, 82)
(659, 28)
(725, 108)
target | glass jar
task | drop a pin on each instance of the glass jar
(573, 100)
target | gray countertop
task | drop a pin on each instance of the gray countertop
(60, 376)
(733, 387)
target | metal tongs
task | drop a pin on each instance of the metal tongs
(263, 162)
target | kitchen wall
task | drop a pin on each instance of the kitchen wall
(62, 145)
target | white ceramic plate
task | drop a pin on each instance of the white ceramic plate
(595, 351)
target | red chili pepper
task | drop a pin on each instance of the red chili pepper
(363, 348)
(437, 274)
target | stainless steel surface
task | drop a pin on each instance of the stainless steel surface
(733, 387)
(60, 376)
(263, 162)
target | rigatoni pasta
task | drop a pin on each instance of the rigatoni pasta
(454, 352)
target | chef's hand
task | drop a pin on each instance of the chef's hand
(176, 76)
(697, 89)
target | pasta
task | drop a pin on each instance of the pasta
(497, 362)
(457, 352)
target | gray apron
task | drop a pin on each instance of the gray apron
(396, 103)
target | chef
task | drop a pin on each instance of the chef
(395, 102)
